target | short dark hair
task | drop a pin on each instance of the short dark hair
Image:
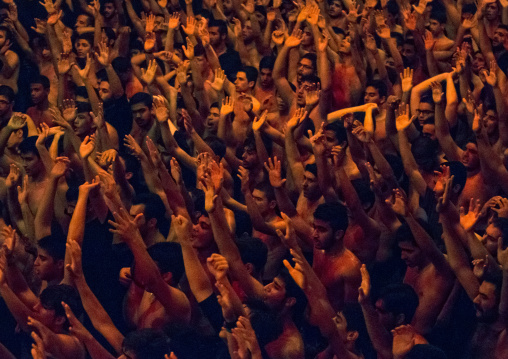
(142, 97)
(154, 207)
(52, 297)
(392, 7)
(28, 146)
(438, 15)
(469, 8)
(333, 213)
(313, 79)
(502, 224)
(8, 92)
(400, 299)
(267, 62)
(169, 259)
(250, 72)
(294, 291)
(380, 86)
(503, 26)
(41, 79)
(267, 189)
(147, 343)
(313, 58)
(217, 145)
(265, 322)
(253, 251)
(121, 64)
(221, 24)
(86, 36)
(312, 168)
(425, 351)
(54, 245)
(339, 130)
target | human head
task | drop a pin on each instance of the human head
(250, 158)
(492, 11)
(437, 22)
(425, 109)
(265, 321)
(497, 228)
(470, 157)
(487, 301)
(500, 36)
(264, 197)
(39, 89)
(459, 173)
(217, 145)
(311, 189)
(83, 45)
(335, 135)
(49, 264)
(145, 344)
(32, 163)
(50, 311)
(154, 213)
(218, 31)
(202, 234)
(335, 8)
(396, 305)
(83, 20)
(425, 151)
(108, 9)
(212, 120)
(141, 107)
(376, 92)
(305, 84)
(6, 101)
(284, 294)
(5, 34)
(246, 79)
(410, 252)
(169, 259)
(253, 253)
(83, 123)
(425, 351)
(306, 66)
(330, 224)
(265, 72)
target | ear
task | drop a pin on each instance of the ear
(273, 204)
(252, 84)
(382, 99)
(456, 188)
(339, 234)
(167, 277)
(152, 222)
(249, 267)
(352, 335)
(400, 319)
(290, 302)
(60, 264)
(60, 320)
(128, 175)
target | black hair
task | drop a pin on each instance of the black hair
(250, 72)
(52, 297)
(121, 64)
(253, 251)
(469, 8)
(41, 79)
(313, 58)
(458, 170)
(267, 62)
(28, 146)
(400, 299)
(425, 351)
(267, 189)
(392, 7)
(364, 192)
(502, 26)
(312, 168)
(221, 24)
(217, 145)
(154, 208)
(215, 105)
(83, 107)
(86, 36)
(147, 343)
(380, 86)
(8, 34)
(267, 326)
(425, 151)
(102, 75)
(399, 38)
(169, 259)
(7, 92)
(54, 245)
(333, 213)
(142, 97)
(438, 15)
(199, 50)
(338, 128)
(294, 291)
(502, 224)
(110, 33)
(260, 9)
(313, 79)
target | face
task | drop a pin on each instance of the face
(83, 124)
(308, 38)
(249, 158)
(425, 111)
(486, 302)
(201, 62)
(247, 31)
(435, 27)
(310, 186)
(275, 293)
(32, 164)
(500, 36)
(265, 78)
(142, 115)
(301, 92)
(212, 120)
(134, 211)
(491, 121)
(45, 267)
(202, 235)
(491, 237)
(5, 106)
(241, 82)
(37, 93)
(305, 67)
(491, 11)
(228, 6)
(330, 141)
(408, 51)
(335, 9)
(82, 48)
(410, 254)
(45, 315)
(386, 318)
(109, 10)
(104, 92)
(265, 206)
(322, 234)
(372, 96)
(3, 37)
(215, 38)
(478, 62)
(81, 21)
(429, 130)
(345, 45)
(470, 157)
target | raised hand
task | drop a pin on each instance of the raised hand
(370, 43)
(258, 123)
(174, 21)
(278, 37)
(103, 55)
(69, 110)
(150, 23)
(501, 207)
(189, 50)
(480, 266)
(148, 75)
(74, 267)
(364, 290)
(422, 6)
(297, 119)
(469, 102)
(218, 81)
(437, 91)
(191, 26)
(288, 238)
(64, 64)
(273, 167)
(243, 174)
(17, 121)
(23, 191)
(40, 26)
(468, 220)
(491, 75)
(126, 226)
(13, 176)
(83, 73)
(228, 106)
(183, 227)
(402, 120)
(10, 238)
(38, 350)
(312, 96)
(87, 146)
(294, 39)
(217, 266)
(398, 204)
(429, 40)
(149, 41)
(361, 134)
(403, 340)
(76, 328)
(160, 109)
(60, 167)
(444, 201)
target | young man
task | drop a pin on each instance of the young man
(229, 58)
(9, 72)
(144, 121)
(39, 92)
(34, 168)
(49, 264)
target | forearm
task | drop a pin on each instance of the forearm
(198, 280)
(45, 212)
(19, 311)
(380, 337)
(95, 350)
(77, 224)
(293, 159)
(115, 85)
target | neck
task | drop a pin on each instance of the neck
(335, 249)
(43, 105)
(204, 253)
(471, 173)
(220, 48)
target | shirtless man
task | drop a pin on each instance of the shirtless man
(10, 61)
(34, 168)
